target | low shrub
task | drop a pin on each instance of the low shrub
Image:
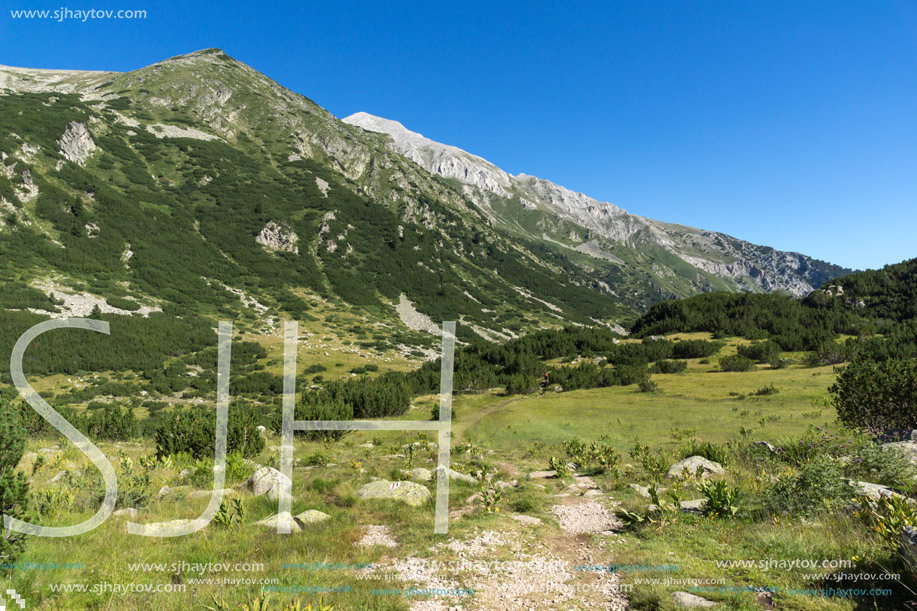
(884, 466)
(736, 363)
(817, 486)
(695, 349)
(762, 352)
(666, 366)
(722, 502)
(711, 451)
(880, 395)
(194, 432)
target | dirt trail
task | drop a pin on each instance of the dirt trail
(542, 569)
(463, 427)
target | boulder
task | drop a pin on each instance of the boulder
(908, 449)
(411, 493)
(455, 475)
(909, 546)
(644, 491)
(693, 506)
(684, 599)
(57, 478)
(873, 491)
(691, 464)
(150, 529)
(420, 474)
(129, 512)
(311, 516)
(269, 481)
(275, 521)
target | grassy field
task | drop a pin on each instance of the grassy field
(507, 437)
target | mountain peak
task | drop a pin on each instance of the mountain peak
(380, 125)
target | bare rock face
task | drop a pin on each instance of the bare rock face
(278, 239)
(76, 144)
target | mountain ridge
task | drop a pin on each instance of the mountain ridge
(199, 182)
(606, 219)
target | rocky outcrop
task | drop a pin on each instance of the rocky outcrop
(277, 238)
(76, 144)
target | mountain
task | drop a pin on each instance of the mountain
(543, 210)
(198, 187)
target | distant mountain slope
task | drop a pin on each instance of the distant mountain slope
(600, 229)
(199, 186)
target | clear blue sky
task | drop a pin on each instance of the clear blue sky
(791, 124)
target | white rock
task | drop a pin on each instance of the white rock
(269, 481)
(76, 143)
(691, 464)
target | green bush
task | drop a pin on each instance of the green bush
(695, 349)
(878, 395)
(308, 410)
(722, 502)
(648, 386)
(123, 304)
(818, 486)
(194, 432)
(520, 384)
(762, 352)
(736, 363)
(709, 450)
(666, 366)
(434, 413)
(767, 390)
(109, 423)
(884, 466)
(13, 485)
(525, 504)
